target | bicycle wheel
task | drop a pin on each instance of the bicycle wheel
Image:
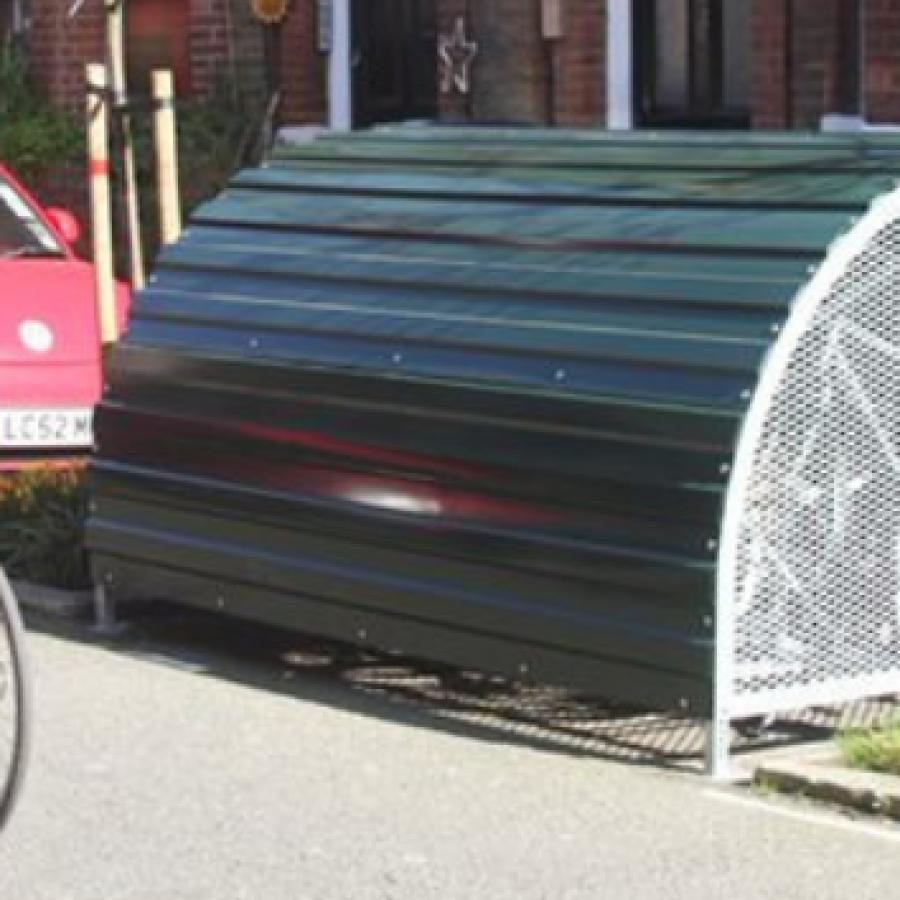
(15, 701)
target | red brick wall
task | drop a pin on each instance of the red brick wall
(248, 51)
(771, 35)
(882, 81)
(796, 62)
(581, 93)
(814, 59)
(303, 68)
(801, 61)
(156, 35)
(59, 47)
(211, 59)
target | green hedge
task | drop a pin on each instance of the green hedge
(876, 749)
(34, 137)
(40, 142)
(211, 133)
(42, 515)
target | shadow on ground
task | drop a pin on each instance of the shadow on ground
(423, 694)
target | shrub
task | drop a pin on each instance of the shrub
(46, 147)
(34, 137)
(42, 515)
(36, 143)
(213, 139)
(15, 88)
(875, 749)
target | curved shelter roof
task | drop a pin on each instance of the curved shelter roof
(477, 393)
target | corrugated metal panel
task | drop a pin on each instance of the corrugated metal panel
(469, 394)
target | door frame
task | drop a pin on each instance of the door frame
(620, 66)
(340, 75)
(620, 56)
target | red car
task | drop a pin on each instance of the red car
(50, 356)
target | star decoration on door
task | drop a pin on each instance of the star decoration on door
(456, 54)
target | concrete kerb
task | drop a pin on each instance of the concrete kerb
(820, 774)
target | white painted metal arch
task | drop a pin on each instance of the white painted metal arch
(809, 569)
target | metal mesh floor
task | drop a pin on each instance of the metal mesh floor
(557, 720)
(475, 705)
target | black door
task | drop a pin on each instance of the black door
(692, 62)
(394, 60)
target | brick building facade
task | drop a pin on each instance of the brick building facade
(206, 42)
(693, 63)
(652, 63)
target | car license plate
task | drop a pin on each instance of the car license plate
(46, 427)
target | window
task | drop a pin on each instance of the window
(22, 233)
(693, 62)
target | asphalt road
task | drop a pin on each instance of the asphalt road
(168, 767)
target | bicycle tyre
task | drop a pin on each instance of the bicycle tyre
(15, 701)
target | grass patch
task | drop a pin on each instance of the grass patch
(765, 784)
(42, 515)
(873, 749)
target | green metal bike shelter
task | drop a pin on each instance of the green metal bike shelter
(617, 411)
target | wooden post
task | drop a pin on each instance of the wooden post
(115, 25)
(101, 212)
(166, 156)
